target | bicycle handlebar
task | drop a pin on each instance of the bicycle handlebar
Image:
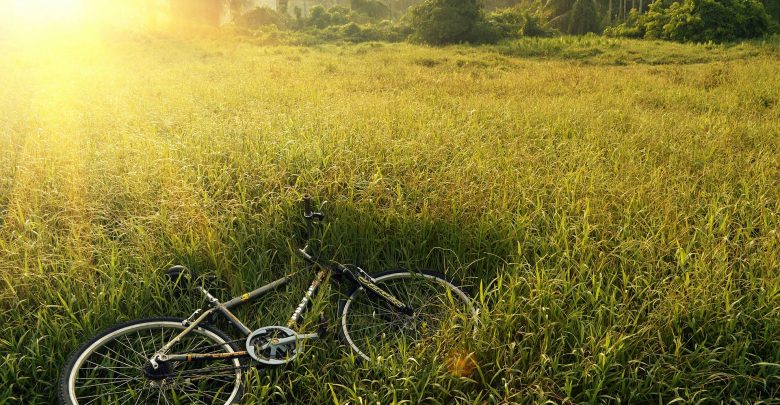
(308, 213)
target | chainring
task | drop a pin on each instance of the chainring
(262, 345)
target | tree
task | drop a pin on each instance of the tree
(260, 16)
(318, 17)
(441, 22)
(281, 6)
(583, 17)
(773, 8)
(238, 7)
(698, 21)
(375, 9)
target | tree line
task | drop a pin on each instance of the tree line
(486, 21)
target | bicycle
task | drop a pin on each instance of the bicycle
(174, 360)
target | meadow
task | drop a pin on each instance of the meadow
(614, 205)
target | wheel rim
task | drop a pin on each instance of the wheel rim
(112, 367)
(364, 320)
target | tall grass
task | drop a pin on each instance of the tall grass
(618, 224)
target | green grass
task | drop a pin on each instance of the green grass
(598, 50)
(618, 221)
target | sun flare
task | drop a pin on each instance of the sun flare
(48, 11)
(49, 18)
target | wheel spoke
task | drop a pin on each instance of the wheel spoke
(112, 369)
(371, 325)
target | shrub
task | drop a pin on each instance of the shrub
(773, 9)
(515, 22)
(271, 35)
(261, 16)
(392, 32)
(633, 27)
(441, 22)
(350, 30)
(334, 16)
(699, 21)
(534, 25)
(340, 15)
(374, 9)
(353, 32)
(318, 17)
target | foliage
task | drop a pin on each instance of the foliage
(773, 8)
(584, 17)
(259, 17)
(374, 9)
(440, 22)
(335, 24)
(238, 7)
(340, 15)
(632, 27)
(321, 18)
(386, 31)
(341, 24)
(600, 50)
(699, 21)
(516, 22)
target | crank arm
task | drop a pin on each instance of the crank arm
(296, 338)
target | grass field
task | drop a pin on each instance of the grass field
(615, 205)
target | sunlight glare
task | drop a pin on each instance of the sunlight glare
(35, 12)
(26, 20)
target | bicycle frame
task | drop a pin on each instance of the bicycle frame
(358, 277)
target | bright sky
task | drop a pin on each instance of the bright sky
(41, 12)
(44, 16)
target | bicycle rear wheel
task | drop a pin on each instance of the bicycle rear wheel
(442, 313)
(112, 368)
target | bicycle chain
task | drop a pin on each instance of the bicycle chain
(218, 345)
(208, 371)
(217, 369)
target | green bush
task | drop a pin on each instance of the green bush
(319, 17)
(534, 25)
(773, 8)
(334, 16)
(440, 22)
(340, 15)
(259, 17)
(374, 9)
(698, 21)
(515, 22)
(266, 27)
(385, 30)
(633, 27)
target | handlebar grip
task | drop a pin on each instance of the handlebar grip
(306, 206)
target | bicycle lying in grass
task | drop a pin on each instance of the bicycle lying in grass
(173, 360)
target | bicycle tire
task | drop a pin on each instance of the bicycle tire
(358, 296)
(67, 389)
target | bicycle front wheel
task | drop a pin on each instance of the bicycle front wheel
(442, 313)
(113, 367)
